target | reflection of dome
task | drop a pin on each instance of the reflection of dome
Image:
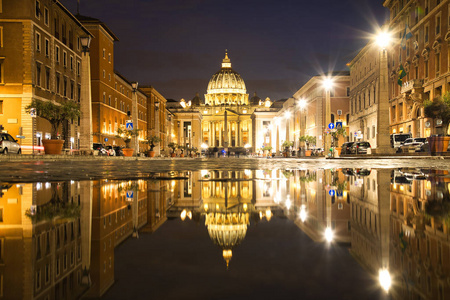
(226, 86)
(227, 230)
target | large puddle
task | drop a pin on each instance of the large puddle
(304, 233)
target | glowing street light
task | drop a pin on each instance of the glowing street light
(302, 104)
(383, 39)
(303, 214)
(287, 114)
(385, 279)
(329, 235)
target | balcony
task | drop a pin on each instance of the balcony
(412, 86)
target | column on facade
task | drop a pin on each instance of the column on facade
(238, 132)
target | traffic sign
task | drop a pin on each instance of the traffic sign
(338, 125)
(129, 125)
(331, 126)
(33, 112)
(106, 139)
(339, 193)
(130, 194)
(331, 193)
(20, 136)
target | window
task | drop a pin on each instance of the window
(47, 48)
(104, 74)
(427, 5)
(71, 63)
(46, 16)
(58, 83)
(65, 87)
(47, 78)
(438, 63)
(38, 74)
(348, 91)
(109, 57)
(426, 68)
(1, 35)
(37, 9)
(64, 59)
(57, 54)
(109, 76)
(38, 41)
(438, 25)
(56, 24)
(1, 109)
(104, 53)
(79, 93)
(72, 89)
(109, 100)
(373, 131)
(78, 68)
(104, 97)
(426, 34)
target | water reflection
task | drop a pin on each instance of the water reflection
(57, 239)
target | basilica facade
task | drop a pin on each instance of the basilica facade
(225, 119)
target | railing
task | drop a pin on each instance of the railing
(411, 84)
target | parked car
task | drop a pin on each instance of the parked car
(118, 150)
(99, 147)
(416, 142)
(397, 140)
(110, 150)
(360, 148)
(346, 147)
(8, 144)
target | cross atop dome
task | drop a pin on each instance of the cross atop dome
(226, 63)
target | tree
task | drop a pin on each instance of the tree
(439, 108)
(126, 135)
(153, 140)
(56, 114)
(173, 146)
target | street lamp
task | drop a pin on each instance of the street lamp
(327, 85)
(383, 140)
(134, 116)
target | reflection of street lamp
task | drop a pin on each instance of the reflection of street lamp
(329, 235)
(383, 140)
(385, 279)
(327, 85)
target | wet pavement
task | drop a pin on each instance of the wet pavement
(25, 168)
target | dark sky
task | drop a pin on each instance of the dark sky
(275, 45)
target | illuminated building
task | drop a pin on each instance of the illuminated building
(312, 116)
(424, 56)
(40, 58)
(227, 118)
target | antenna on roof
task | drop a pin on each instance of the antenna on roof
(78, 7)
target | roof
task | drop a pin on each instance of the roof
(90, 20)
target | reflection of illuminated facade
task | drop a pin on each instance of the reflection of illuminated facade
(40, 252)
(323, 202)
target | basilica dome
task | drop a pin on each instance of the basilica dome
(226, 86)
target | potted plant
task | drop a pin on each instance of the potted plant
(173, 146)
(152, 141)
(286, 145)
(336, 135)
(267, 150)
(192, 151)
(126, 136)
(182, 148)
(56, 114)
(439, 111)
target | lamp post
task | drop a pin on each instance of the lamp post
(157, 127)
(383, 140)
(302, 106)
(327, 84)
(86, 139)
(134, 117)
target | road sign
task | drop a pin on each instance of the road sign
(338, 125)
(106, 139)
(331, 193)
(130, 194)
(331, 126)
(129, 125)
(33, 112)
(20, 136)
(339, 193)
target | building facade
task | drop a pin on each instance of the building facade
(41, 57)
(425, 59)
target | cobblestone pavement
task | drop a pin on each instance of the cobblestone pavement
(25, 168)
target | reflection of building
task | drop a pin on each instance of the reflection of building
(322, 201)
(41, 251)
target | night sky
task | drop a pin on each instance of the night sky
(276, 46)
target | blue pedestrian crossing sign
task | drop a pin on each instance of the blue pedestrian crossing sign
(338, 125)
(339, 193)
(130, 194)
(331, 126)
(129, 125)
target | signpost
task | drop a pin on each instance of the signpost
(33, 117)
(130, 195)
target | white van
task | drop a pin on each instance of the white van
(397, 139)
